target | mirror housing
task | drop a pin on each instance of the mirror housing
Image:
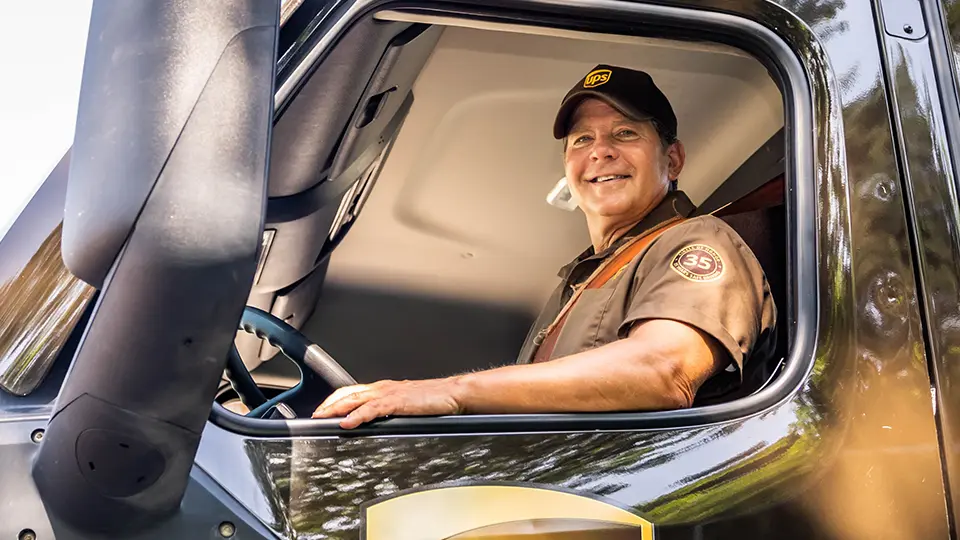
(164, 214)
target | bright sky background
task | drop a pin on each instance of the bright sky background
(41, 55)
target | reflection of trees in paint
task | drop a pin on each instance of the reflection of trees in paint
(272, 473)
(944, 297)
(952, 9)
(39, 307)
(893, 377)
(945, 300)
(332, 478)
(821, 15)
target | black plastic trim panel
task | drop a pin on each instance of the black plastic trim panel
(305, 203)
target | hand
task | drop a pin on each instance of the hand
(365, 402)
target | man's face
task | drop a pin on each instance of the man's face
(615, 166)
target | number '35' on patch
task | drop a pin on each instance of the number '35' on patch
(698, 262)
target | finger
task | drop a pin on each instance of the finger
(367, 412)
(341, 393)
(344, 405)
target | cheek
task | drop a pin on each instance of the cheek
(649, 163)
(572, 167)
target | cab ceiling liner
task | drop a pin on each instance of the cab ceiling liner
(164, 213)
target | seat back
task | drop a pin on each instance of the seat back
(763, 230)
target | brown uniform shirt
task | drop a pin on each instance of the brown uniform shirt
(699, 273)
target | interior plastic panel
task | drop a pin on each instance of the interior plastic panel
(296, 305)
(294, 249)
(384, 97)
(767, 163)
(301, 245)
(303, 221)
(308, 132)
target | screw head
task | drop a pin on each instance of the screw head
(908, 29)
(227, 529)
(27, 534)
(37, 435)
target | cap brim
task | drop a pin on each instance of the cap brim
(569, 106)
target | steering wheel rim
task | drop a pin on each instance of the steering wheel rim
(292, 344)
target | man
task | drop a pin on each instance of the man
(660, 310)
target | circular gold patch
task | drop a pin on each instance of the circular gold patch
(698, 262)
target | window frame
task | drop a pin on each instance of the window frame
(802, 263)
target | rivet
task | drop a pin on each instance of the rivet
(227, 529)
(27, 534)
(36, 436)
(908, 29)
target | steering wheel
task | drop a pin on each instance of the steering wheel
(293, 345)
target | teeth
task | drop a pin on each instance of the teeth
(609, 177)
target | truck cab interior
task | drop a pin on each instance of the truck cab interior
(408, 231)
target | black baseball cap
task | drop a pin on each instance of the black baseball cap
(631, 92)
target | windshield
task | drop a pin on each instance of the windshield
(40, 108)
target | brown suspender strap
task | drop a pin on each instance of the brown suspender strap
(547, 337)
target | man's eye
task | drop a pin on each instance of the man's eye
(626, 133)
(582, 139)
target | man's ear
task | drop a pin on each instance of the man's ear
(676, 157)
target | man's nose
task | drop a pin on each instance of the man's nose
(604, 149)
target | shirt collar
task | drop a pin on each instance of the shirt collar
(676, 203)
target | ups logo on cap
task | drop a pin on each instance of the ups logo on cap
(596, 78)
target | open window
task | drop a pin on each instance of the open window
(408, 230)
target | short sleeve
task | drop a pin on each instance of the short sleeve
(702, 274)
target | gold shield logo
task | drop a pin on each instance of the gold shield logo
(597, 77)
(488, 512)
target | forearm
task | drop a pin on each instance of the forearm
(620, 376)
(659, 365)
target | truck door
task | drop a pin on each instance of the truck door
(922, 42)
(808, 456)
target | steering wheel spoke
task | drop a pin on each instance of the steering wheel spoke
(309, 358)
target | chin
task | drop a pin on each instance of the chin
(611, 209)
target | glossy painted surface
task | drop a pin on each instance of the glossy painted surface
(890, 456)
(925, 92)
(852, 454)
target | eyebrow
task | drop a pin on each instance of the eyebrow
(577, 127)
(623, 118)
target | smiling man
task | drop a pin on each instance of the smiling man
(661, 310)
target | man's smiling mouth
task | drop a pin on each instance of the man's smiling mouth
(608, 178)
